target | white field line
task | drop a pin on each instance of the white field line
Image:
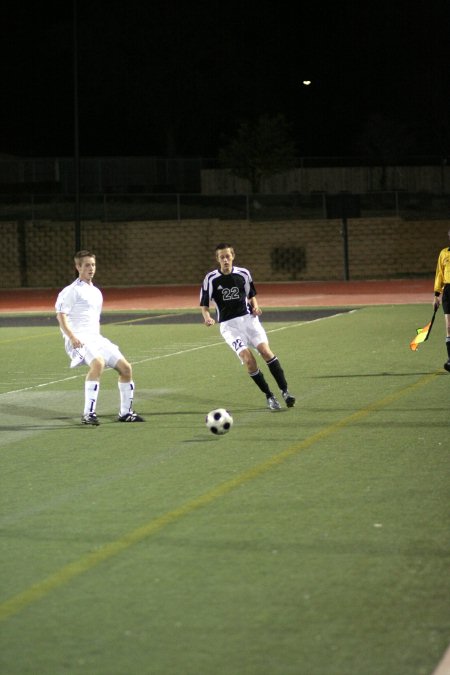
(166, 356)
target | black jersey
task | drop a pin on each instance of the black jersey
(229, 293)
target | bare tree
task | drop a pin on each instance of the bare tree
(259, 150)
(385, 140)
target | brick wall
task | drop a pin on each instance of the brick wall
(39, 254)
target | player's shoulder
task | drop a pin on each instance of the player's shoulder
(213, 274)
(69, 287)
(241, 270)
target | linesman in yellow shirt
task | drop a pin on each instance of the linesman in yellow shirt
(442, 286)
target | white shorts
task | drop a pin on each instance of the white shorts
(93, 347)
(243, 332)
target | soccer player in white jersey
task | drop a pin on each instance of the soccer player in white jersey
(78, 309)
(232, 291)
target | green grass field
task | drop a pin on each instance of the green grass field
(311, 541)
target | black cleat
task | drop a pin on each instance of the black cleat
(91, 419)
(288, 399)
(130, 417)
(447, 366)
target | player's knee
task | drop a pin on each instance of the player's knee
(265, 351)
(125, 369)
(249, 360)
(97, 367)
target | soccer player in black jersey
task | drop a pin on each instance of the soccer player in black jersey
(232, 291)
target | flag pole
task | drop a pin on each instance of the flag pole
(432, 322)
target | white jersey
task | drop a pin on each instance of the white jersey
(82, 304)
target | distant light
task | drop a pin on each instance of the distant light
(306, 83)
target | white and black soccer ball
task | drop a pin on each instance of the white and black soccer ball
(219, 421)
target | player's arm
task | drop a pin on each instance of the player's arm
(207, 318)
(252, 301)
(204, 304)
(251, 296)
(438, 284)
(64, 324)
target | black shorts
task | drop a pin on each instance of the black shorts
(446, 299)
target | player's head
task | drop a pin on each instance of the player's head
(225, 257)
(85, 264)
(222, 246)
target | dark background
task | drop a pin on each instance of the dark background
(176, 78)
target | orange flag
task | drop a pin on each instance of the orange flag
(422, 333)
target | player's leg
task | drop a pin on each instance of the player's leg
(446, 308)
(259, 339)
(126, 391)
(233, 332)
(277, 372)
(447, 342)
(92, 389)
(258, 378)
(114, 358)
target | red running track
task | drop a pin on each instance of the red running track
(284, 294)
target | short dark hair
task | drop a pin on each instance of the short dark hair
(82, 254)
(223, 245)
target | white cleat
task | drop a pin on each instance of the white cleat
(272, 403)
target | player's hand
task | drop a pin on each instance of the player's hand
(76, 343)
(436, 303)
(209, 321)
(257, 311)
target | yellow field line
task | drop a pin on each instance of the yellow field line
(87, 562)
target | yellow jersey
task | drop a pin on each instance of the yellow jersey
(442, 270)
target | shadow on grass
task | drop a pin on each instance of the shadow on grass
(385, 374)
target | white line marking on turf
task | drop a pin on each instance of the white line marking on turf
(177, 353)
(36, 386)
(74, 377)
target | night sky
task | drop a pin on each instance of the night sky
(176, 78)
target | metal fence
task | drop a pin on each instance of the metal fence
(115, 207)
(190, 175)
(103, 174)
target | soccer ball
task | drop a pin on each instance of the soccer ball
(219, 421)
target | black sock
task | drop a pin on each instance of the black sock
(278, 373)
(447, 344)
(259, 379)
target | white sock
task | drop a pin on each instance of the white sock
(126, 390)
(91, 390)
